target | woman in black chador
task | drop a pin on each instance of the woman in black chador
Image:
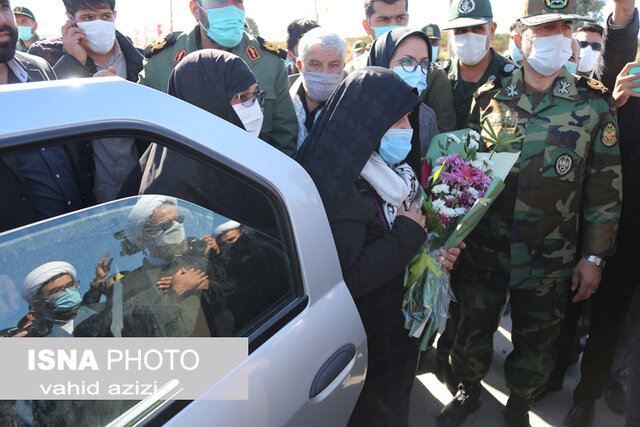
(363, 154)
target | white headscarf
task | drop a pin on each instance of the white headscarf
(43, 274)
(139, 215)
(227, 226)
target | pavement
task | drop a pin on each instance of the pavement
(429, 395)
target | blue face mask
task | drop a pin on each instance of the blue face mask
(226, 25)
(67, 300)
(380, 31)
(516, 55)
(395, 145)
(25, 33)
(434, 51)
(572, 67)
(416, 78)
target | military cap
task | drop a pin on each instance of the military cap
(19, 10)
(359, 46)
(433, 31)
(469, 13)
(539, 12)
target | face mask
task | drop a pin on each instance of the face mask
(434, 52)
(67, 300)
(380, 31)
(572, 67)
(251, 117)
(171, 242)
(588, 59)
(25, 33)
(395, 145)
(100, 35)
(516, 55)
(320, 86)
(470, 48)
(416, 78)
(226, 25)
(549, 54)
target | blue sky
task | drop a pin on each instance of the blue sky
(139, 18)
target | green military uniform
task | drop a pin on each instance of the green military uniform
(499, 69)
(561, 200)
(280, 127)
(20, 47)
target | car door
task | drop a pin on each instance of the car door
(307, 346)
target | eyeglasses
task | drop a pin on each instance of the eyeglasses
(152, 228)
(247, 99)
(410, 65)
(60, 289)
(594, 45)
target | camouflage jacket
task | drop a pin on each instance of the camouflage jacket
(562, 199)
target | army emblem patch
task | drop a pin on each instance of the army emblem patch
(509, 68)
(512, 91)
(430, 31)
(563, 89)
(466, 6)
(609, 135)
(556, 4)
(180, 55)
(563, 164)
(252, 53)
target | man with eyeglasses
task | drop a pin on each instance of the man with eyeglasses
(221, 26)
(321, 63)
(473, 61)
(590, 38)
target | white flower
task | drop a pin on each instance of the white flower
(440, 188)
(456, 193)
(477, 164)
(473, 144)
(475, 136)
(453, 138)
(438, 205)
(473, 192)
(448, 212)
(460, 211)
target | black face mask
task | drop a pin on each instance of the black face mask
(8, 49)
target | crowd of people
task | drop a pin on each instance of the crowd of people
(556, 242)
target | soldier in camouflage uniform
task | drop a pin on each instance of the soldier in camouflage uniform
(280, 126)
(551, 226)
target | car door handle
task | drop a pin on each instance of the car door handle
(332, 368)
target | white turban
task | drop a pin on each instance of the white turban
(43, 274)
(227, 226)
(139, 215)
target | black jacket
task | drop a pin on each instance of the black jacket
(66, 66)
(619, 48)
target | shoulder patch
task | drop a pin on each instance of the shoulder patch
(158, 45)
(490, 85)
(609, 135)
(268, 46)
(594, 85)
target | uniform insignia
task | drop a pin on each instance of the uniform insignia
(556, 4)
(512, 91)
(564, 164)
(609, 135)
(159, 45)
(180, 55)
(466, 6)
(272, 48)
(596, 85)
(252, 53)
(509, 68)
(563, 89)
(430, 31)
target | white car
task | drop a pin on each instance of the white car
(307, 346)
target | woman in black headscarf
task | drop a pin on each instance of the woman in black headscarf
(356, 154)
(408, 53)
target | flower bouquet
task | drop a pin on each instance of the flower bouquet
(459, 185)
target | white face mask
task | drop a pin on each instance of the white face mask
(588, 59)
(320, 86)
(470, 48)
(171, 242)
(100, 35)
(251, 117)
(549, 54)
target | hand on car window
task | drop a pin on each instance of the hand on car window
(184, 281)
(103, 268)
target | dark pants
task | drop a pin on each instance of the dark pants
(537, 309)
(633, 387)
(608, 311)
